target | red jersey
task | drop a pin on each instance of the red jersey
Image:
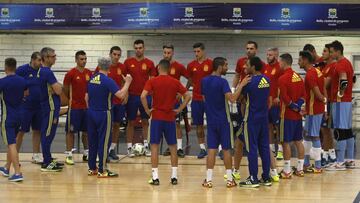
(164, 89)
(314, 78)
(272, 71)
(77, 81)
(327, 71)
(197, 71)
(292, 88)
(240, 67)
(177, 70)
(342, 66)
(116, 72)
(140, 71)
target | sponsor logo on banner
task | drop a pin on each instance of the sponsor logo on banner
(332, 13)
(285, 12)
(189, 12)
(5, 13)
(96, 13)
(144, 12)
(237, 13)
(49, 13)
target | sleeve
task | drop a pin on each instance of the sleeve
(153, 70)
(189, 70)
(181, 89)
(184, 72)
(311, 79)
(226, 87)
(284, 92)
(148, 86)
(49, 76)
(341, 68)
(239, 65)
(20, 72)
(67, 78)
(112, 86)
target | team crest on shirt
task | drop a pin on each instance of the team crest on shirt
(206, 68)
(172, 71)
(263, 83)
(273, 72)
(194, 69)
(319, 74)
(87, 77)
(144, 66)
(78, 78)
(119, 71)
(132, 66)
(295, 78)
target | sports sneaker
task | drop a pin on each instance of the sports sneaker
(230, 183)
(336, 167)
(250, 183)
(92, 172)
(324, 162)
(36, 159)
(16, 178)
(107, 174)
(266, 182)
(221, 155)
(69, 160)
(130, 153)
(280, 155)
(299, 173)
(154, 182)
(235, 175)
(284, 175)
(51, 167)
(112, 156)
(85, 157)
(174, 181)
(166, 152)
(147, 151)
(207, 184)
(4, 172)
(59, 164)
(202, 154)
(181, 153)
(350, 164)
(275, 178)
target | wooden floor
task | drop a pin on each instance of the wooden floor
(73, 185)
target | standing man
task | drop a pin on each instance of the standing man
(165, 90)
(101, 88)
(141, 70)
(292, 94)
(310, 48)
(31, 109)
(197, 70)
(75, 88)
(176, 71)
(50, 90)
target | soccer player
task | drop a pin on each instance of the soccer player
(315, 109)
(329, 155)
(197, 70)
(75, 84)
(12, 89)
(165, 90)
(341, 107)
(141, 69)
(292, 94)
(50, 90)
(216, 92)
(100, 90)
(256, 129)
(310, 48)
(31, 109)
(176, 71)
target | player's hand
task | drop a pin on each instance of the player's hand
(178, 97)
(148, 111)
(127, 78)
(177, 111)
(245, 81)
(276, 102)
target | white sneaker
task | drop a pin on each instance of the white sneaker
(147, 151)
(336, 167)
(36, 159)
(130, 152)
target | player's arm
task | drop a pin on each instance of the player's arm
(57, 88)
(87, 100)
(232, 97)
(286, 99)
(235, 80)
(318, 95)
(144, 102)
(121, 94)
(183, 105)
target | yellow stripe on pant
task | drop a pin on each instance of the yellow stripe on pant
(107, 137)
(50, 123)
(282, 129)
(246, 136)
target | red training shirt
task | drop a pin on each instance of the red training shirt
(272, 71)
(197, 71)
(314, 78)
(342, 66)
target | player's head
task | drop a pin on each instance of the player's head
(285, 61)
(35, 60)
(164, 66)
(326, 52)
(10, 65)
(272, 55)
(336, 49)
(199, 50)
(253, 65)
(220, 65)
(115, 54)
(80, 58)
(251, 48)
(48, 56)
(305, 59)
(104, 63)
(139, 47)
(310, 48)
(168, 51)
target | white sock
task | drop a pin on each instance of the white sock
(174, 172)
(209, 173)
(332, 153)
(155, 173)
(112, 146)
(326, 155)
(300, 165)
(272, 147)
(68, 153)
(129, 145)
(220, 148)
(229, 175)
(86, 152)
(287, 166)
(273, 172)
(179, 143)
(202, 146)
(146, 144)
(280, 149)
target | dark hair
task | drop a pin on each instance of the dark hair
(328, 46)
(218, 61)
(115, 48)
(199, 45)
(10, 64)
(306, 55)
(139, 41)
(164, 64)
(79, 53)
(252, 42)
(168, 46)
(337, 46)
(287, 58)
(309, 47)
(256, 61)
(35, 55)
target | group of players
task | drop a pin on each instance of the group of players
(270, 101)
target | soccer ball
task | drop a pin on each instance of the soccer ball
(138, 149)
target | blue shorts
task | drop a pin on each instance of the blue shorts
(118, 113)
(313, 125)
(327, 123)
(290, 130)
(158, 128)
(30, 117)
(76, 120)
(274, 115)
(134, 105)
(9, 129)
(220, 134)
(341, 115)
(197, 112)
